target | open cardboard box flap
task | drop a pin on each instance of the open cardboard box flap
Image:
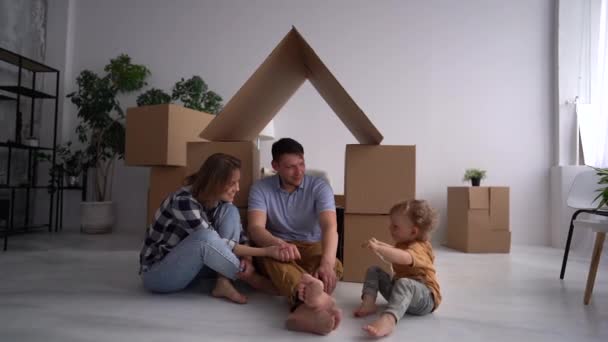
(291, 63)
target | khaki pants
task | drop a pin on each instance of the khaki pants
(285, 276)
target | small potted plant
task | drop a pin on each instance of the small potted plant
(474, 175)
(69, 164)
(603, 192)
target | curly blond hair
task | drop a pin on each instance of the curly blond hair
(420, 213)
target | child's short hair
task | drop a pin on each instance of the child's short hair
(420, 213)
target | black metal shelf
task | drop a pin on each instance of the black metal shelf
(6, 186)
(26, 63)
(24, 147)
(7, 98)
(23, 91)
(22, 229)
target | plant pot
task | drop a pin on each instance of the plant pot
(475, 181)
(72, 181)
(96, 217)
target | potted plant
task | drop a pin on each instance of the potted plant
(603, 192)
(474, 175)
(101, 130)
(171, 121)
(193, 93)
(69, 164)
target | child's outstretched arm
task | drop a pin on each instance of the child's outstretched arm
(390, 253)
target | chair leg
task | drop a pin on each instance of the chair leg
(595, 261)
(567, 249)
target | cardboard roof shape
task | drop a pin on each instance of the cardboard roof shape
(272, 85)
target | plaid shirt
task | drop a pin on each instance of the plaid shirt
(179, 215)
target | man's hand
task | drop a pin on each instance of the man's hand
(288, 252)
(247, 269)
(327, 275)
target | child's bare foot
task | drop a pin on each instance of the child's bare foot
(224, 289)
(382, 326)
(310, 291)
(306, 319)
(367, 307)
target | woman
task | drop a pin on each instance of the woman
(198, 230)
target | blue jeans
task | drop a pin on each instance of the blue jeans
(199, 254)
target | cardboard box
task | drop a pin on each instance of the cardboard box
(246, 151)
(291, 63)
(339, 199)
(164, 180)
(377, 177)
(478, 219)
(358, 229)
(157, 135)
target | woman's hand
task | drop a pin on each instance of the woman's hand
(247, 269)
(275, 252)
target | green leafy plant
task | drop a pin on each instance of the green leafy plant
(603, 192)
(474, 174)
(101, 129)
(152, 97)
(69, 162)
(194, 94)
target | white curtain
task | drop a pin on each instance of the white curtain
(593, 117)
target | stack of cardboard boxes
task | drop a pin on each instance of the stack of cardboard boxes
(478, 219)
(376, 178)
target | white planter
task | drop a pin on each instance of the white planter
(96, 217)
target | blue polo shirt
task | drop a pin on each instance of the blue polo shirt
(292, 216)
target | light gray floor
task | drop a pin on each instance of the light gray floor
(70, 287)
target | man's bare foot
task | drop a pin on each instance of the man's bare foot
(310, 291)
(337, 315)
(368, 307)
(306, 319)
(224, 289)
(382, 326)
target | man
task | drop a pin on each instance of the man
(297, 212)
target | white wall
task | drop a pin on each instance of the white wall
(468, 82)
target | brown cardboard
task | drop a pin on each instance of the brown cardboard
(358, 229)
(376, 177)
(157, 135)
(475, 230)
(479, 197)
(262, 96)
(489, 241)
(246, 151)
(339, 199)
(164, 180)
(499, 208)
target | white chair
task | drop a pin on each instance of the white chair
(581, 197)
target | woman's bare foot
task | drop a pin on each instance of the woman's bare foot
(261, 283)
(368, 307)
(382, 326)
(310, 291)
(224, 289)
(306, 319)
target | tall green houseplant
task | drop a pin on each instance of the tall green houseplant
(101, 128)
